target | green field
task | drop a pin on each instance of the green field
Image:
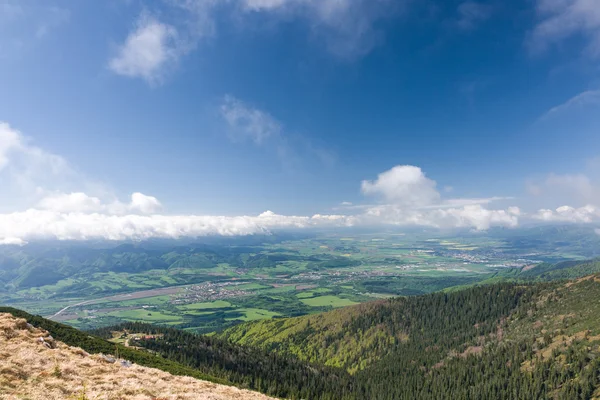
(145, 315)
(204, 306)
(328, 301)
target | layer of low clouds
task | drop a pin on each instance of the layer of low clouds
(402, 196)
(586, 214)
(33, 224)
(576, 197)
(409, 197)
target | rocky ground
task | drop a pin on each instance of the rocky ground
(35, 366)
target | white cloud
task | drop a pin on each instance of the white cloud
(9, 141)
(25, 168)
(72, 202)
(584, 99)
(470, 216)
(471, 13)
(148, 51)
(45, 224)
(248, 122)
(144, 204)
(411, 198)
(514, 211)
(586, 214)
(562, 19)
(348, 28)
(79, 202)
(12, 241)
(408, 198)
(403, 185)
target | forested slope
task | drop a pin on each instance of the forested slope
(513, 341)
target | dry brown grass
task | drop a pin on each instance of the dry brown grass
(30, 370)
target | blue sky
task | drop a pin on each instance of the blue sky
(235, 107)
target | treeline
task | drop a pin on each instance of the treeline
(272, 373)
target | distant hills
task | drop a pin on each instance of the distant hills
(78, 267)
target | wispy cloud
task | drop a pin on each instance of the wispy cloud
(53, 17)
(584, 99)
(578, 189)
(562, 19)
(348, 28)
(247, 122)
(24, 24)
(471, 14)
(29, 173)
(27, 166)
(149, 50)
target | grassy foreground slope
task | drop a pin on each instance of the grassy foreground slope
(35, 366)
(210, 359)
